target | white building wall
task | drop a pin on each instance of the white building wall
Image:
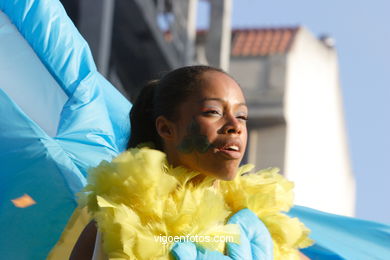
(316, 158)
(263, 83)
(266, 146)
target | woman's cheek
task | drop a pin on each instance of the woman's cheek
(196, 139)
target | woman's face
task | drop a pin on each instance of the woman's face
(210, 133)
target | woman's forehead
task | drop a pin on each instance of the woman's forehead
(218, 86)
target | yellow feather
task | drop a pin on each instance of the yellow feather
(138, 197)
(267, 193)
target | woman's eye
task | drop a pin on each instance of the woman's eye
(244, 118)
(212, 112)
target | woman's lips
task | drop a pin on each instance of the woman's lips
(229, 154)
(230, 151)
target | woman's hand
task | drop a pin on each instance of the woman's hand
(255, 242)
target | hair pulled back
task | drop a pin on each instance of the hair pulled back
(162, 98)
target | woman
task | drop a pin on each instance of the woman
(197, 116)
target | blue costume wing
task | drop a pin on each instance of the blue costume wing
(58, 116)
(338, 237)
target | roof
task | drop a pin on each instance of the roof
(262, 41)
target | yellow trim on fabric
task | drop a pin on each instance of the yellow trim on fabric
(76, 224)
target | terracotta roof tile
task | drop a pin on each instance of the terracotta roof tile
(262, 41)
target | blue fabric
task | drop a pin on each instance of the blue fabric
(255, 242)
(93, 126)
(339, 237)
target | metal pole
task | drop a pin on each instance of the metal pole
(96, 22)
(219, 34)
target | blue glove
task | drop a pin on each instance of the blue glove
(255, 242)
(190, 251)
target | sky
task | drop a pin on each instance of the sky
(361, 30)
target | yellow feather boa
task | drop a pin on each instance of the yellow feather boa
(138, 197)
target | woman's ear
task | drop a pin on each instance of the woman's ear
(165, 128)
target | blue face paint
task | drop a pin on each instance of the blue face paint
(194, 141)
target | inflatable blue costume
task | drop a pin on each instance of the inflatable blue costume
(59, 116)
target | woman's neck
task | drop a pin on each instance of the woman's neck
(198, 179)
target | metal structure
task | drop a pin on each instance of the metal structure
(133, 41)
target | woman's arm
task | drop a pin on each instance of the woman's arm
(85, 245)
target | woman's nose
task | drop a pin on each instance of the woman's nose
(232, 126)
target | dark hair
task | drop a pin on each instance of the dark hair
(161, 98)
